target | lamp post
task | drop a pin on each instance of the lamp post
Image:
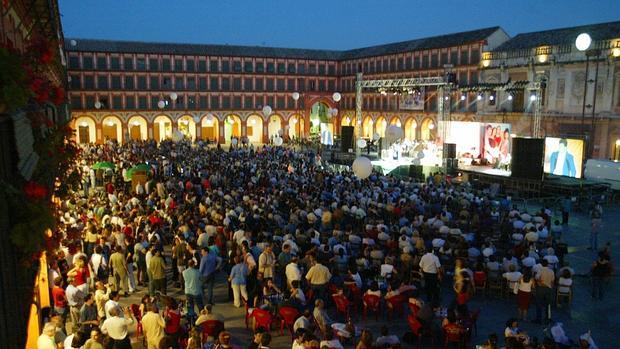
(583, 43)
(296, 96)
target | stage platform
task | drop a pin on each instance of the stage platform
(488, 170)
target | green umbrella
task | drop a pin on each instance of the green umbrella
(104, 165)
(139, 167)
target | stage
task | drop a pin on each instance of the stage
(488, 170)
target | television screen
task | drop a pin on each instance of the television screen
(563, 156)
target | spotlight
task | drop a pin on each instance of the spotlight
(463, 97)
(479, 97)
(491, 97)
(446, 98)
(532, 98)
(510, 97)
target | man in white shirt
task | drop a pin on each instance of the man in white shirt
(116, 327)
(292, 270)
(303, 321)
(75, 299)
(112, 303)
(431, 267)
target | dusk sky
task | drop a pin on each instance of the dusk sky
(322, 24)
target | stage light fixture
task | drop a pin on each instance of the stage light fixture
(491, 97)
(479, 97)
(463, 97)
(532, 98)
(510, 97)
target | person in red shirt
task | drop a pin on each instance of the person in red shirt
(172, 315)
(60, 299)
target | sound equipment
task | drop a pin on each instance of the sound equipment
(346, 138)
(449, 150)
(527, 158)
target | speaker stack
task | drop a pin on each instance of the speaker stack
(527, 158)
(450, 161)
(346, 133)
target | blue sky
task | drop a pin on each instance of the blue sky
(323, 24)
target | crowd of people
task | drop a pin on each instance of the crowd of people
(292, 242)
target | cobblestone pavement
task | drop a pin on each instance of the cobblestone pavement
(601, 317)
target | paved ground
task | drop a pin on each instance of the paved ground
(601, 317)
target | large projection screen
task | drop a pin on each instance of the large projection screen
(563, 156)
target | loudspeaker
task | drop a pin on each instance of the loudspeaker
(346, 138)
(527, 158)
(449, 150)
(416, 171)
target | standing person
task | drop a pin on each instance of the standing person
(431, 267)
(596, 214)
(238, 280)
(153, 324)
(157, 269)
(318, 276)
(193, 287)
(567, 204)
(60, 299)
(119, 270)
(292, 271)
(601, 269)
(117, 328)
(545, 279)
(88, 313)
(267, 262)
(524, 293)
(208, 264)
(75, 299)
(102, 295)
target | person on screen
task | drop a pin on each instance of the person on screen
(561, 162)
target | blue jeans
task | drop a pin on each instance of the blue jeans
(207, 285)
(191, 300)
(544, 297)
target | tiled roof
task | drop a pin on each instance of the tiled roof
(563, 36)
(91, 45)
(447, 40)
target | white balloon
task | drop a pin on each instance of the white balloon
(267, 110)
(177, 136)
(393, 133)
(173, 96)
(73, 42)
(97, 104)
(161, 104)
(361, 143)
(375, 137)
(295, 95)
(336, 97)
(234, 141)
(362, 167)
(278, 141)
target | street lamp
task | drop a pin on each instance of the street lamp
(583, 44)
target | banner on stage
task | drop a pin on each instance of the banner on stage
(414, 101)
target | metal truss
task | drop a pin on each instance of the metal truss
(402, 83)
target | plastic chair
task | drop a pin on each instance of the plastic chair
(211, 328)
(480, 281)
(453, 333)
(135, 310)
(395, 305)
(371, 303)
(343, 306)
(568, 295)
(356, 295)
(419, 331)
(288, 315)
(262, 319)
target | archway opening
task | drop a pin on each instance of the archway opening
(427, 131)
(254, 127)
(295, 127)
(209, 128)
(321, 124)
(395, 121)
(232, 127)
(162, 128)
(380, 126)
(367, 127)
(112, 128)
(138, 129)
(187, 126)
(274, 127)
(410, 129)
(86, 130)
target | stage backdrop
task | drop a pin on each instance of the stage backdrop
(563, 156)
(466, 136)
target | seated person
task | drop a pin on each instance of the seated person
(330, 340)
(207, 314)
(386, 339)
(320, 316)
(374, 289)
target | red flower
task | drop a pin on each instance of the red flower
(35, 191)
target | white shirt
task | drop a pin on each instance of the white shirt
(301, 322)
(112, 304)
(292, 272)
(75, 297)
(429, 263)
(116, 327)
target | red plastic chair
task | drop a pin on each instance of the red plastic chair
(262, 319)
(372, 303)
(211, 328)
(395, 305)
(413, 308)
(419, 331)
(480, 281)
(453, 333)
(356, 295)
(135, 310)
(343, 306)
(288, 315)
